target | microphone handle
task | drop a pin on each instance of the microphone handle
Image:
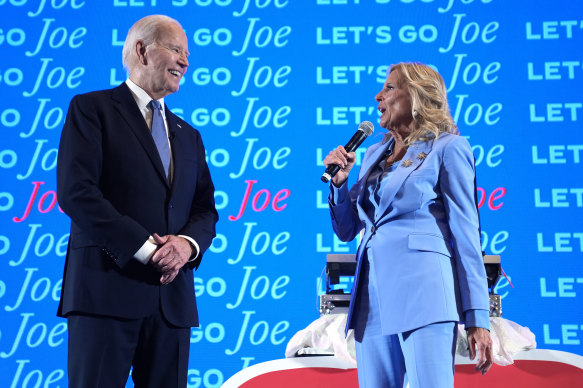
(355, 141)
(351, 146)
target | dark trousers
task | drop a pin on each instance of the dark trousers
(103, 349)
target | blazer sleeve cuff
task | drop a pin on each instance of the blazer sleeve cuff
(338, 194)
(478, 318)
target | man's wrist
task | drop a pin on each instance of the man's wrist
(194, 250)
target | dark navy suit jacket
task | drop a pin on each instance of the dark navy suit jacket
(111, 183)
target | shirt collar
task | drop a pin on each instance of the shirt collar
(142, 98)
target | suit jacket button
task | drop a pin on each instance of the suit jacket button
(372, 229)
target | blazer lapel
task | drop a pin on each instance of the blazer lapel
(414, 156)
(374, 159)
(128, 109)
(367, 166)
(174, 131)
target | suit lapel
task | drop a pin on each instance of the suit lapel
(174, 132)
(414, 156)
(128, 109)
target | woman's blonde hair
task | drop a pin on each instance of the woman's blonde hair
(431, 115)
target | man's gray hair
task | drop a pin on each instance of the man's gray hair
(147, 30)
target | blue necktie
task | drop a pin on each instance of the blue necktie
(159, 135)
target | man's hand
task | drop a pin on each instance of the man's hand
(170, 257)
(479, 338)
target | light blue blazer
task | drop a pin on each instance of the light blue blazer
(424, 239)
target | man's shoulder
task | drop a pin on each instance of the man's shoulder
(96, 95)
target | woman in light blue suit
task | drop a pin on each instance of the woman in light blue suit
(419, 265)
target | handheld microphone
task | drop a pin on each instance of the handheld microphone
(365, 129)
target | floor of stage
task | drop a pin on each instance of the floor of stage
(535, 368)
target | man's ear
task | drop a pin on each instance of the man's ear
(141, 52)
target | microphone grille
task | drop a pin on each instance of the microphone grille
(366, 127)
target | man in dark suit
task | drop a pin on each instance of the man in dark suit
(133, 178)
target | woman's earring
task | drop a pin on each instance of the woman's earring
(415, 114)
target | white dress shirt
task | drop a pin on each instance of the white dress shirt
(145, 253)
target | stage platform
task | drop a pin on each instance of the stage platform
(537, 368)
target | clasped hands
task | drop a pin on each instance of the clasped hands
(170, 256)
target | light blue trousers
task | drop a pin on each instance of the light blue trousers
(424, 357)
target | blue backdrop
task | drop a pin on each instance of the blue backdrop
(273, 85)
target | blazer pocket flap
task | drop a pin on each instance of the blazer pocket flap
(428, 242)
